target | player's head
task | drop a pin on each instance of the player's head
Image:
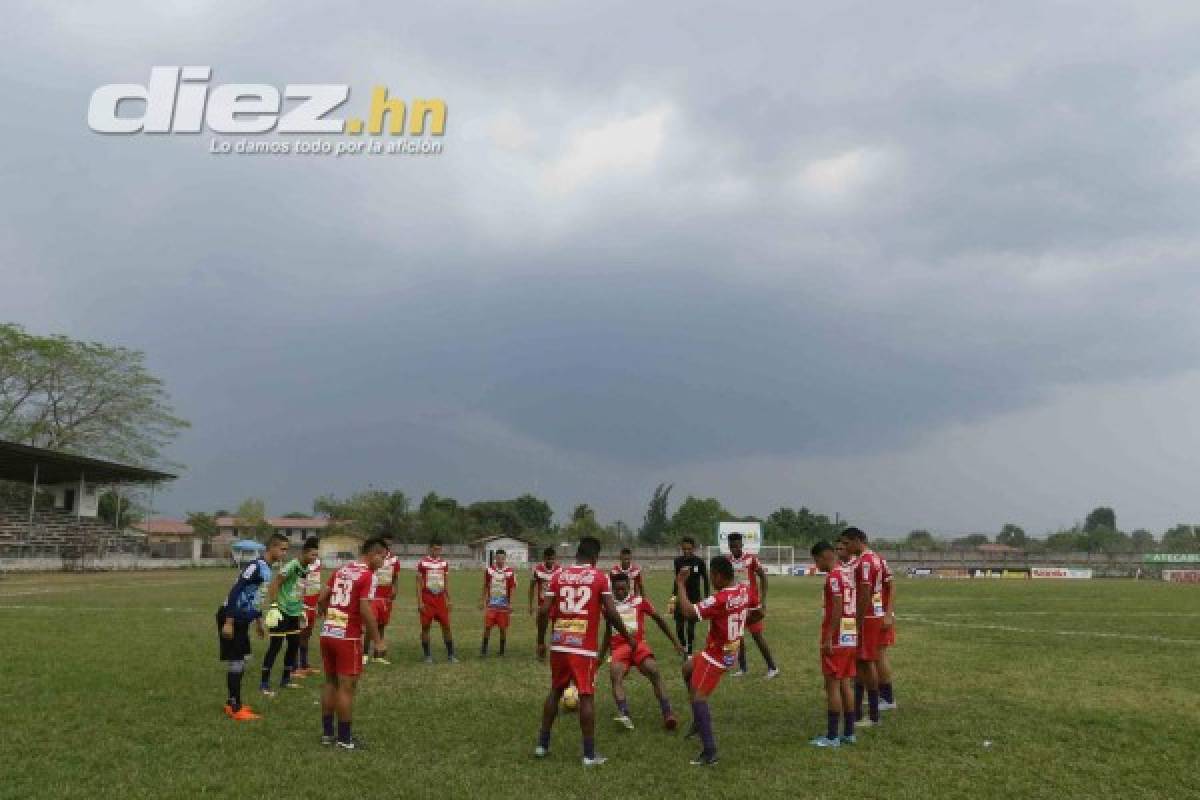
(824, 556)
(687, 545)
(588, 551)
(309, 554)
(548, 556)
(435, 548)
(499, 557)
(277, 547)
(735, 544)
(374, 551)
(855, 539)
(387, 543)
(843, 553)
(720, 569)
(626, 557)
(620, 585)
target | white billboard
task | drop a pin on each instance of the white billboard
(1061, 572)
(751, 535)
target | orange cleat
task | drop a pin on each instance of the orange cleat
(229, 710)
(244, 714)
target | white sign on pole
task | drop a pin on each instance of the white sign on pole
(751, 535)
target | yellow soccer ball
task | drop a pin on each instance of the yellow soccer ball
(570, 699)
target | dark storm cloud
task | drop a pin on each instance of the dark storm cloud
(860, 226)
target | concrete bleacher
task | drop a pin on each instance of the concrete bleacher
(56, 533)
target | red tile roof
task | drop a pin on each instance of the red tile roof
(170, 527)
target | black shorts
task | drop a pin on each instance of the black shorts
(238, 647)
(287, 626)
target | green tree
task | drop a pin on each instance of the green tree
(251, 518)
(1142, 541)
(203, 524)
(970, 541)
(496, 517)
(697, 517)
(130, 507)
(82, 397)
(1100, 517)
(581, 512)
(374, 512)
(1066, 541)
(1181, 539)
(1013, 536)
(535, 513)
(920, 540)
(656, 522)
(801, 529)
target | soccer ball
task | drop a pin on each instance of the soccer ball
(570, 699)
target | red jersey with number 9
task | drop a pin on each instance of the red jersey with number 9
(726, 614)
(347, 586)
(576, 608)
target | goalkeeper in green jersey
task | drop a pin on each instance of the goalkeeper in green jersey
(285, 618)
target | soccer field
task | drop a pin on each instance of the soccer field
(112, 688)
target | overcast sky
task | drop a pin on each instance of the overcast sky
(931, 264)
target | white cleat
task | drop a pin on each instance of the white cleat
(773, 673)
(540, 752)
(865, 722)
(886, 706)
(624, 720)
(738, 673)
(594, 762)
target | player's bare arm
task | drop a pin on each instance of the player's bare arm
(889, 614)
(483, 591)
(762, 585)
(420, 604)
(604, 643)
(368, 619)
(533, 587)
(614, 619)
(323, 602)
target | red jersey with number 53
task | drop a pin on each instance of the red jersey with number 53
(347, 586)
(869, 570)
(726, 614)
(576, 596)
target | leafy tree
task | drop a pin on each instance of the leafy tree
(1101, 517)
(1142, 540)
(535, 513)
(202, 523)
(1013, 536)
(1066, 541)
(251, 518)
(920, 540)
(801, 529)
(374, 512)
(128, 503)
(970, 541)
(296, 515)
(82, 397)
(656, 522)
(581, 512)
(1181, 539)
(496, 517)
(697, 517)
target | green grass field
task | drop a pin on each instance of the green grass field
(112, 688)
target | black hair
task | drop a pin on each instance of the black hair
(735, 537)
(855, 534)
(434, 543)
(688, 540)
(312, 543)
(278, 537)
(498, 553)
(619, 577)
(549, 551)
(721, 565)
(820, 547)
(371, 544)
(625, 551)
(589, 549)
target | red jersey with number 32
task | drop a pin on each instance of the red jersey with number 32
(347, 586)
(869, 570)
(726, 614)
(576, 596)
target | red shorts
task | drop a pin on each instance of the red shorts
(381, 607)
(842, 664)
(433, 607)
(889, 636)
(622, 653)
(705, 675)
(869, 639)
(497, 618)
(342, 656)
(568, 668)
(310, 611)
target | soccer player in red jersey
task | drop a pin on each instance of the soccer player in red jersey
(634, 609)
(578, 596)
(540, 578)
(630, 570)
(385, 594)
(499, 580)
(887, 697)
(838, 645)
(346, 604)
(868, 584)
(747, 570)
(433, 600)
(725, 611)
(311, 586)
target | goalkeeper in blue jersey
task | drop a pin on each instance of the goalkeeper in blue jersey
(241, 607)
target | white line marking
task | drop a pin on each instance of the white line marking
(1137, 637)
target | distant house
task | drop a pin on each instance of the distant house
(297, 529)
(516, 550)
(171, 538)
(998, 548)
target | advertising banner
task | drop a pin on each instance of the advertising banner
(751, 535)
(1172, 558)
(1181, 575)
(1071, 573)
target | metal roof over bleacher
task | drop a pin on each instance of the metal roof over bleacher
(17, 463)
